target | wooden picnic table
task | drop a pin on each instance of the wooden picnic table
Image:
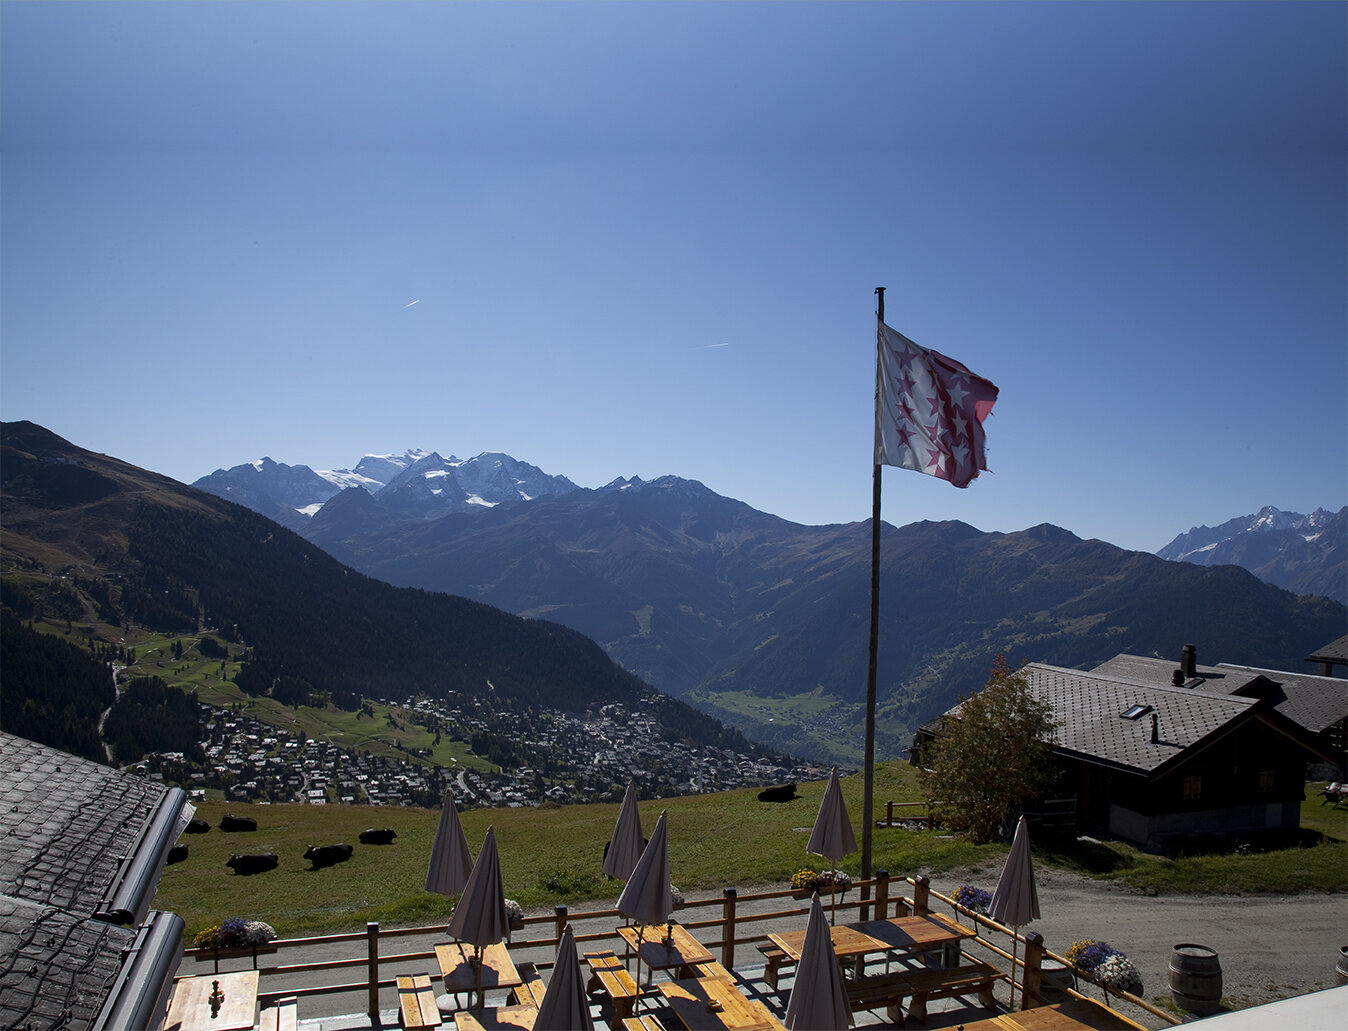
(1072, 1015)
(849, 942)
(913, 934)
(190, 1009)
(680, 953)
(496, 1018)
(906, 934)
(497, 969)
(715, 1004)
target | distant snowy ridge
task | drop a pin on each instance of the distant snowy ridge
(373, 471)
(1199, 539)
(416, 484)
(1307, 554)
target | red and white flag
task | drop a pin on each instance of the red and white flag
(929, 411)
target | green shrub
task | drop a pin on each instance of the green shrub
(568, 883)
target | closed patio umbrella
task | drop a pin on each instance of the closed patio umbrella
(832, 835)
(480, 918)
(646, 898)
(818, 999)
(1015, 900)
(565, 1006)
(624, 847)
(451, 862)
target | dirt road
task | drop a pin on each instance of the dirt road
(1270, 947)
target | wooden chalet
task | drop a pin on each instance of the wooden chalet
(1168, 766)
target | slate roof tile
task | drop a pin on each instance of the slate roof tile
(1314, 702)
(1088, 707)
(65, 825)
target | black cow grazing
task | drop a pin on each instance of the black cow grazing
(251, 864)
(196, 825)
(377, 836)
(176, 854)
(327, 855)
(230, 822)
(785, 793)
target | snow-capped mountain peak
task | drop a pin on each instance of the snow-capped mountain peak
(417, 483)
(1306, 554)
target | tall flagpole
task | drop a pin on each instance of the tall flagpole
(868, 805)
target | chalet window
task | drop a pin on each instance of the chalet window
(1192, 788)
(1266, 782)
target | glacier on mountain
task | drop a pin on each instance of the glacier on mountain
(416, 483)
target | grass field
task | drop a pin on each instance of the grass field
(552, 855)
(832, 721)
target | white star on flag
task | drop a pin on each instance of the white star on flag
(946, 442)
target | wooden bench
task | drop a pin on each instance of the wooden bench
(642, 1024)
(282, 1015)
(775, 959)
(531, 992)
(930, 983)
(712, 969)
(608, 973)
(416, 1002)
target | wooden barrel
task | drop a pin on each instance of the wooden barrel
(1195, 978)
(1341, 967)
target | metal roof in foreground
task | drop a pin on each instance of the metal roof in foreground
(81, 850)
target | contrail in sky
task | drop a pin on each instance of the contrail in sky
(410, 303)
(708, 347)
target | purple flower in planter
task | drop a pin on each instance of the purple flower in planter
(1087, 954)
(976, 900)
(234, 931)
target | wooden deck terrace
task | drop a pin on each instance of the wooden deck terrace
(349, 981)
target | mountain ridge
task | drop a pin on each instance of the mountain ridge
(1306, 554)
(738, 610)
(415, 484)
(763, 622)
(84, 530)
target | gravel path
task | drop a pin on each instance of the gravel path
(1270, 946)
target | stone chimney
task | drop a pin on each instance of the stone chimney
(1189, 661)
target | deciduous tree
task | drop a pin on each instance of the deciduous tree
(990, 756)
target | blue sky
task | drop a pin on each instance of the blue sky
(643, 238)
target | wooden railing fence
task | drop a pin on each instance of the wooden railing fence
(727, 930)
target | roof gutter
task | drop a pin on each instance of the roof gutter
(133, 888)
(140, 996)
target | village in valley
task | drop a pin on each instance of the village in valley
(570, 759)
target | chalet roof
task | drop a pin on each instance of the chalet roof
(1317, 703)
(1314, 702)
(81, 850)
(1088, 707)
(1333, 652)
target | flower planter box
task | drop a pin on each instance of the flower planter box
(823, 889)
